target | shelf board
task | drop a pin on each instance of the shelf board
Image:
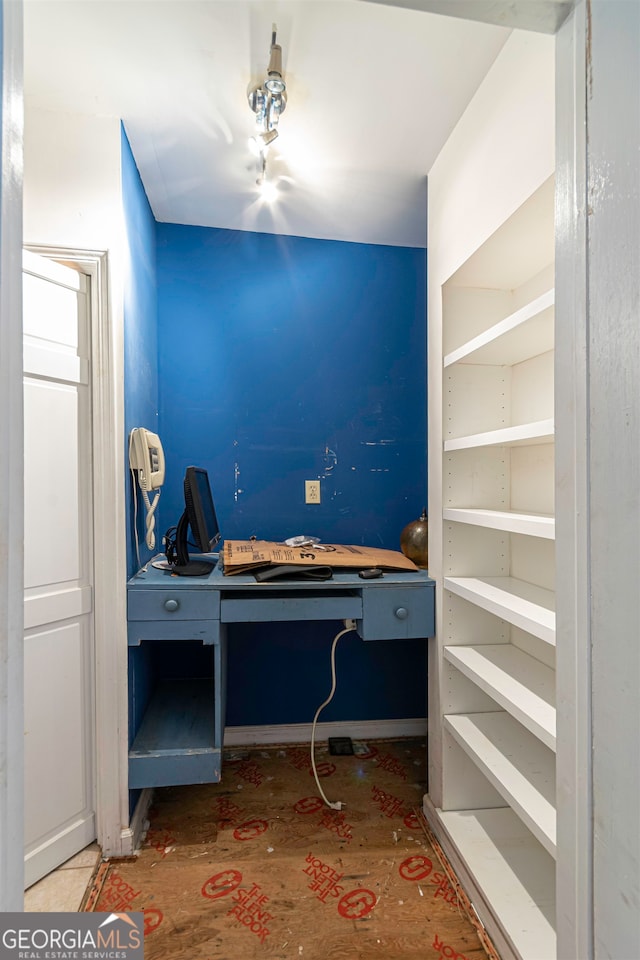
(523, 604)
(520, 684)
(530, 524)
(179, 719)
(176, 740)
(513, 871)
(525, 434)
(520, 336)
(520, 767)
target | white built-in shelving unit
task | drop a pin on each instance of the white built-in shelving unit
(495, 720)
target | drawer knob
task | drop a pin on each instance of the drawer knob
(171, 605)
(401, 613)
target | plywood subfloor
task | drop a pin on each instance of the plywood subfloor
(258, 867)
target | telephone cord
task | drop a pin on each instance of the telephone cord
(150, 521)
(135, 516)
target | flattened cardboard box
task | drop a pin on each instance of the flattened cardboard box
(241, 556)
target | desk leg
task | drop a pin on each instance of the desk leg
(220, 686)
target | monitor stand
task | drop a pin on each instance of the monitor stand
(194, 568)
(177, 552)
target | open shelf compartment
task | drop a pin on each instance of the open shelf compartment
(525, 333)
(520, 684)
(513, 874)
(511, 521)
(177, 741)
(539, 431)
(523, 604)
(518, 765)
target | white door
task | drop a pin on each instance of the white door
(58, 574)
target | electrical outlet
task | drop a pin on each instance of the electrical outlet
(312, 491)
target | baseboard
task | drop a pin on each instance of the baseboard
(301, 732)
(139, 820)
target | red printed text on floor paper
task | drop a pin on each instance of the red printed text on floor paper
(308, 805)
(415, 868)
(227, 812)
(446, 950)
(161, 841)
(392, 765)
(419, 867)
(117, 895)
(337, 823)
(391, 806)
(221, 884)
(301, 760)
(250, 771)
(357, 904)
(249, 911)
(325, 881)
(152, 920)
(250, 830)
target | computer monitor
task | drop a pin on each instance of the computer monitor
(200, 516)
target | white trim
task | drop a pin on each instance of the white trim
(11, 468)
(140, 820)
(301, 732)
(110, 570)
(574, 787)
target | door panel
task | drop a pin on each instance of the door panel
(57, 728)
(58, 643)
(52, 520)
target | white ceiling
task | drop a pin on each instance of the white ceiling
(373, 93)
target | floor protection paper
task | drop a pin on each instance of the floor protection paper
(258, 866)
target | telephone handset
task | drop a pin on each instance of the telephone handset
(146, 457)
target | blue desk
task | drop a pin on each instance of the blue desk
(180, 737)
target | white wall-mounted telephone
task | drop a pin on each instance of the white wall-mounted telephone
(146, 458)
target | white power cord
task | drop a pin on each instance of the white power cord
(350, 625)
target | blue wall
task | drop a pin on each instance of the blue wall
(140, 330)
(141, 386)
(283, 359)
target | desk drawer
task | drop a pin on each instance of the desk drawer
(206, 632)
(397, 613)
(177, 604)
(278, 605)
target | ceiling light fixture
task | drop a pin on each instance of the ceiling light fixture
(259, 143)
(268, 100)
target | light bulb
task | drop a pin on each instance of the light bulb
(268, 190)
